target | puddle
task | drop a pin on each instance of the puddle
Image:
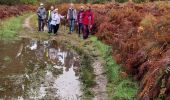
(36, 70)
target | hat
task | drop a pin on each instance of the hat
(41, 4)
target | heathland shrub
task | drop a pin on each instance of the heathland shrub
(14, 2)
(139, 36)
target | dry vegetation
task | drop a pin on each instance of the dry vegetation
(8, 11)
(140, 37)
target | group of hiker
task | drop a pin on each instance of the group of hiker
(84, 20)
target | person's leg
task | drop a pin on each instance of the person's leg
(79, 29)
(43, 24)
(54, 27)
(87, 35)
(39, 25)
(85, 32)
(72, 25)
(57, 27)
(49, 27)
(90, 30)
(69, 25)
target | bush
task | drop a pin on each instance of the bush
(28, 1)
(14, 2)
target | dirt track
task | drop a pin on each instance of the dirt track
(99, 90)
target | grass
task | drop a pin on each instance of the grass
(34, 21)
(87, 76)
(10, 28)
(118, 88)
(7, 59)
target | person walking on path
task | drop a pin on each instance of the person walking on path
(41, 12)
(55, 22)
(88, 21)
(80, 20)
(49, 16)
(71, 17)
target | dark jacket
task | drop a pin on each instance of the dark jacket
(41, 12)
(80, 17)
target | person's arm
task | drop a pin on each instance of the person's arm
(78, 17)
(92, 18)
(48, 15)
(62, 17)
(45, 14)
(67, 14)
(38, 12)
(75, 14)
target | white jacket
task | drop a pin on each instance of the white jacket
(56, 19)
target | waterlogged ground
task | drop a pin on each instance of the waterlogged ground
(31, 69)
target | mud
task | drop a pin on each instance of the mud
(33, 69)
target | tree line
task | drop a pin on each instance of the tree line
(14, 2)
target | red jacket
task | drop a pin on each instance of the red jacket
(88, 18)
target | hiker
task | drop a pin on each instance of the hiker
(88, 21)
(80, 20)
(71, 17)
(50, 12)
(55, 22)
(41, 12)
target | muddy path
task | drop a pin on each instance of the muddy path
(26, 24)
(99, 90)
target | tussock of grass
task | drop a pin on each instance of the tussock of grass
(118, 88)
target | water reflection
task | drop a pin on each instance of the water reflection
(39, 70)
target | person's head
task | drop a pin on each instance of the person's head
(71, 5)
(81, 8)
(41, 5)
(88, 8)
(52, 7)
(56, 10)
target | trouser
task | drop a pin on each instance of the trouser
(55, 28)
(41, 24)
(71, 25)
(80, 28)
(86, 32)
(49, 27)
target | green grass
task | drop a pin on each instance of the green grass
(87, 76)
(118, 88)
(9, 28)
(34, 21)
